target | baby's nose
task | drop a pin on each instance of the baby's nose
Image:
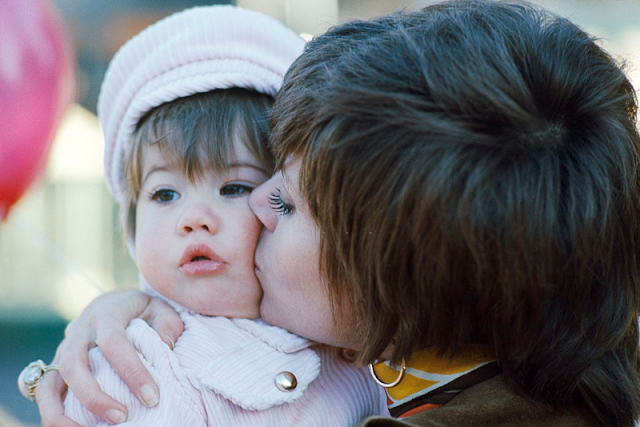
(198, 219)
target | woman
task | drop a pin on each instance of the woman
(457, 188)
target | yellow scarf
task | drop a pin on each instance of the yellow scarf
(426, 373)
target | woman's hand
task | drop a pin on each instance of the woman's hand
(103, 323)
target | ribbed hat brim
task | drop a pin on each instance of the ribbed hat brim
(189, 52)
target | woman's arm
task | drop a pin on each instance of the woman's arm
(103, 323)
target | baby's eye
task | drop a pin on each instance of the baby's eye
(165, 195)
(235, 190)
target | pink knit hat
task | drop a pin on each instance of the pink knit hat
(193, 51)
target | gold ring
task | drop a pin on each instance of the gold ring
(30, 378)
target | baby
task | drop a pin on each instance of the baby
(185, 112)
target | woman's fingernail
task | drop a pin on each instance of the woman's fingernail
(115, 416)
(149, 395)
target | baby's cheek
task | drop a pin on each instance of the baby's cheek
(252, 233)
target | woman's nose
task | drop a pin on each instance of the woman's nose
(259, 203)
(198, 218)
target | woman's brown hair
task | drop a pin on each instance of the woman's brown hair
(473, 170)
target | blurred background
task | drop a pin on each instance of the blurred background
(60, 245)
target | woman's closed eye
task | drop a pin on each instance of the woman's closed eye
(279, 205)
(164, 195)
(236, 190)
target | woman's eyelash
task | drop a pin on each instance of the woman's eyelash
(279, 205)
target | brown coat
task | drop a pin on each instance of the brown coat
(490, 403)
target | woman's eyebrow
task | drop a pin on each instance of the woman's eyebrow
(286, 181)
(290, 187)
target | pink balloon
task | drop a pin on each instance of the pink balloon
(36, 87)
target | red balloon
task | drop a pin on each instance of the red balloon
(36, 87)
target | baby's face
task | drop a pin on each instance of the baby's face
(195, 243)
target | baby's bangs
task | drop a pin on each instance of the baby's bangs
(198, 131)
(189, 137)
